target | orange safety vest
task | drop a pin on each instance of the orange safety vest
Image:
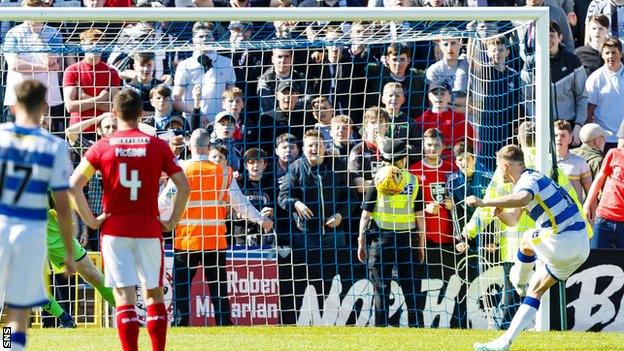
(203, 223)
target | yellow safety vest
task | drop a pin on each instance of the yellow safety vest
(397, 212)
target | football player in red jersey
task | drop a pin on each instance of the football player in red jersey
(131, 163)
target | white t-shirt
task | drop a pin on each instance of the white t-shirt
(605, 89)
(17, 44)
(190, 72)
(455, 77)
(575, 168)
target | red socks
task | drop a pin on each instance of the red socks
(128, 327)
(157, 326)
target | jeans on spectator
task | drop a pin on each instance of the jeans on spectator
(185, 266)
(607, 234)
(390, 250)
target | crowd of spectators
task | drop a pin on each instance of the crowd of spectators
(303, 127)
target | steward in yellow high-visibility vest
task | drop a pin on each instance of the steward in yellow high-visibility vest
(397, 218)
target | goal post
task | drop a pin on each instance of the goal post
(261, 268)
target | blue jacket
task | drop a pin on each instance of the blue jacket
(460, 188)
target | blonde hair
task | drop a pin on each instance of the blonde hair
(232, 92)
(343, 119)
(91, 35)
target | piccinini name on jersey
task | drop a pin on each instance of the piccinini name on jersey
(131, 152)
(129, 141)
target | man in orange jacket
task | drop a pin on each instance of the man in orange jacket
(199, 238)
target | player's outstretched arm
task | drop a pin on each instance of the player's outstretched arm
(516, 201)
(63, 212)
(180, 199)
(519, 199)
(509, 218)
(77, 182)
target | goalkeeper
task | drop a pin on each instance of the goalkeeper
(84, 267)
(396, 214)
(560, 239)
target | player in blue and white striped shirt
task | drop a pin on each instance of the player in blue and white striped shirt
(560, 239)
(32, 162)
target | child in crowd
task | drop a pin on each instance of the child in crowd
(286, 151)
(233, 103)
(259, 190)
(160, 100)
(574, 166)
(323, 112)
(223, 133)
(453, 124)
(341, 135)
(465, 182)
(432, 172)
(441, 259)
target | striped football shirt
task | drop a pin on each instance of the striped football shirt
(32, 162)
(551, 206)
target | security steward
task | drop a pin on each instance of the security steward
(397, 243)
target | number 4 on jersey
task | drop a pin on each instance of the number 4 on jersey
(133, 183)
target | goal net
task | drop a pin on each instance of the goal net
(302, 108)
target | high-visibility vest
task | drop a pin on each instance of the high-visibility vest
(203, 223)
(397, 212)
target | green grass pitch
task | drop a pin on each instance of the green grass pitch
(320, 338)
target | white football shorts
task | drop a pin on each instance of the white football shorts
(562, 253)
(133, 261)
(22, 260)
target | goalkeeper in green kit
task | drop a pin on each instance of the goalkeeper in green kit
(84, 267)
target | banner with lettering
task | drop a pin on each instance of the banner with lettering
(594, 294)
(252, 287)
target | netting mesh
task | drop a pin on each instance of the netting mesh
(257, 88)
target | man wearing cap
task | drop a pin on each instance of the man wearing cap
(285, 118)
(593, 137)
(453, 124)
(398, 236)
